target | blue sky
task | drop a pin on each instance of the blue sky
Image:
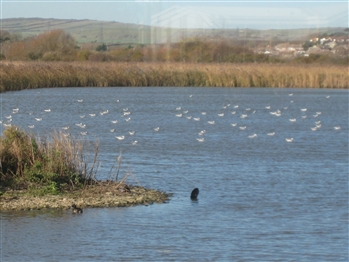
(275, 14)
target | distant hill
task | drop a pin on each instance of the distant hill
(91, 31)
(84, 31)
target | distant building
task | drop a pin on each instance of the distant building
(313, 50)
(288, 50)
(331, 44)
(340, 50)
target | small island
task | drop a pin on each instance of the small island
(51, 173)
(101, 194)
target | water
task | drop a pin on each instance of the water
(261, 198)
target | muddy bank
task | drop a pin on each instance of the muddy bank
(99, 195)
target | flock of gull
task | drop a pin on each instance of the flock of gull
(232, 114)
(237, 115)
(83, 125)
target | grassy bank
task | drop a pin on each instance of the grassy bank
(56, 171)
(28, 75)
(47, 165)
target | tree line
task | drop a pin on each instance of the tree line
(57, 45)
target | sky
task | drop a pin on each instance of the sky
(273, 14)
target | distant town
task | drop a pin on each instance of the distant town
(336, 45)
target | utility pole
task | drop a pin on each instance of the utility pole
(101, 40)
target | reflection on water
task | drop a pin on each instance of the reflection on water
(261, 198)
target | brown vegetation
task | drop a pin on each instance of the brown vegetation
(56, 45)
(45, 165)
(43, 61)
(29, 75)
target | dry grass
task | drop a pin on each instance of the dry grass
(48, 164)
(54, 164)
(28, 75)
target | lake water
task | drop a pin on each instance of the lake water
(261, 198)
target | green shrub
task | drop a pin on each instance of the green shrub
(101, 47)
(51, 189)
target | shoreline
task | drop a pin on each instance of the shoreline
(98, 195)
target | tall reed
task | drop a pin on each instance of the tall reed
(28, 75)
(53, 163)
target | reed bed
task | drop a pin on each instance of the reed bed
(29, 75)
